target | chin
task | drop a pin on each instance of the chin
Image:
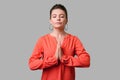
(58, 27)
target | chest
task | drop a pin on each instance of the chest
(67, 46)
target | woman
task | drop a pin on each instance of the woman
(55, 52)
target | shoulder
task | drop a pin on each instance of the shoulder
(74, 37)
(42, 38)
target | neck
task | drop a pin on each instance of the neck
(57, 32)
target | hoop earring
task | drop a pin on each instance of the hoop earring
(50, 27)
(66, 28)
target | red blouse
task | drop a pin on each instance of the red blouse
(53, 69)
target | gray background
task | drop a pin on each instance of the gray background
(95, 22)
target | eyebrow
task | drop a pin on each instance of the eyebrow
(56, 14)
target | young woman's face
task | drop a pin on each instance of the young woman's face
(58, 19)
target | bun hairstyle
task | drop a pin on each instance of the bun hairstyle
(59, 6)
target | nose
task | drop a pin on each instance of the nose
(58, 18)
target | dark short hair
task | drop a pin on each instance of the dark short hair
(59, 6)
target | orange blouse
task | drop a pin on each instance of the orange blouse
(53, 69)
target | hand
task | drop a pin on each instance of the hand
(58, 53)
(59, 40)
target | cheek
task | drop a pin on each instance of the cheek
(65, 21)
(52, 21)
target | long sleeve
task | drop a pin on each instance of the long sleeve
(82, 58)
(37, 59)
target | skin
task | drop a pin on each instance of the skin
(58, 21)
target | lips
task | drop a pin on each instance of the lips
(58, 23)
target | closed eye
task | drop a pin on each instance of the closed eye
(62, 16)
(54, 16)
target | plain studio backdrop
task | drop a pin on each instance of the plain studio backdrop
(95, 22)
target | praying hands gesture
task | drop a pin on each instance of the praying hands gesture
(59, 52)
